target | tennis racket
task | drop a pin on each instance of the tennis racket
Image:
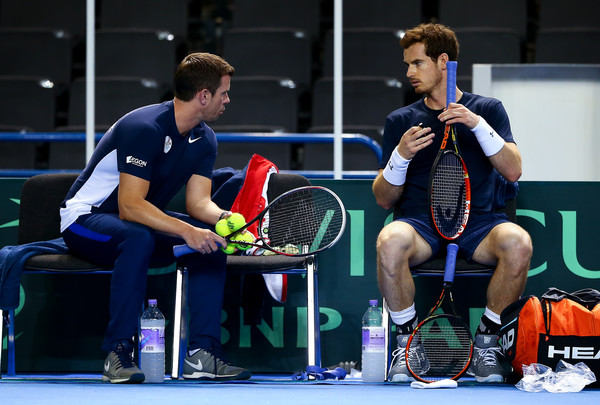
(449, 184)
(300, 222)
(442, 337)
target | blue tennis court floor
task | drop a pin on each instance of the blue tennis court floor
(267, 389)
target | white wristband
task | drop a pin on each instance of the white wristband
(490, 141)
(395, 170)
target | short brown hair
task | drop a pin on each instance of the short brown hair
(199, 71)
(437, 38)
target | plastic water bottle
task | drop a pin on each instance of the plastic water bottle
(152, 342)
(373, 344)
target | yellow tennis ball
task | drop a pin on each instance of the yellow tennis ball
(230, 249)
(235, 221)
(222, 228)
(244, 237)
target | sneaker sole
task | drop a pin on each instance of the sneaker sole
(402, 378)
(133, 379)
(492, 378)
(211, 377)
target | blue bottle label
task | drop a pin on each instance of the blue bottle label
(153, 340)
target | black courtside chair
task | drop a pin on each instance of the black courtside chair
(39, 220)
(277, 264)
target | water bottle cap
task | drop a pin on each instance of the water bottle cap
(373, 302)
(152, 302)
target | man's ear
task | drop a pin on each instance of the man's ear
(204, 96)
(443, 59)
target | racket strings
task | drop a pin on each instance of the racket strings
(447, 344)
(448, 195)
(309, 219)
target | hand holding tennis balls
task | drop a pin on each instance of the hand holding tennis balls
(228, 225)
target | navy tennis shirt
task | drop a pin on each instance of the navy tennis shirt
(144, 143)
(414, 199)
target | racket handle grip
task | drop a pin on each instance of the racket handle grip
(451, 253)
(451, 82)
(180, 250)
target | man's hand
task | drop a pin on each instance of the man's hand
(413, 140)
(458, 113)
(204, 240)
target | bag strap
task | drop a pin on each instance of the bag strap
(587, 297)
(547, 312)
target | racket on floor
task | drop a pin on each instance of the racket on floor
(449, 184)
(300, 222)
(443, 338)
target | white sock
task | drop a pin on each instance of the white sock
(404, 316)
(492, 316)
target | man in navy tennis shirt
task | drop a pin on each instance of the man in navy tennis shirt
(411, 141)
(115, 215)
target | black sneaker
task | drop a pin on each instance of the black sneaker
(203, 365)
(489, 364)
(398, 370)
(119, 367)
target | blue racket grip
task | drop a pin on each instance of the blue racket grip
(180, 250)
(451, 82)
(452, 250)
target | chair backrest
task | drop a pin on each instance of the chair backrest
(298, 14)
(572, 13)
(41, 52)
(169, 15)
(510, 209)
(367, 100)
(382, 13)
(267, 103)
(115, 96)
(28, 103)
(493, 14)
(279, 183)
(283, 52)
(367, 52)
(146, 53)
(556, 45)
(487, 45)
(237, 154)
(57, 14)
(41, 197)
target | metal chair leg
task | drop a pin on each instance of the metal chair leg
(179, 321)
(312, 309)
(386, 329)
(10, 343)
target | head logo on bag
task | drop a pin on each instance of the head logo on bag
(507, 340)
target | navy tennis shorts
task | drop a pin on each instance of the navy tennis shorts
(478, 227)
